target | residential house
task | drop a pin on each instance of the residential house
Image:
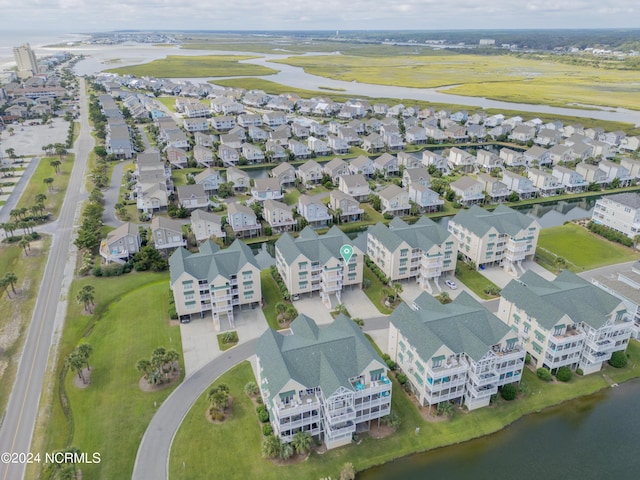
(502, 238)
(424, 251)
(519, 184)
(561, 153)
(177, 138)
(546, 183)
(570, 180)
(522, 133)
(285, 173)
(177, 157)
(118, 142)
(228, 155)
(240, 179)
(266, 189)
(592, 173)
(121, 244)
(275, 152)
(409, 160)
(363, 165)
(461, 160)
(426, 199)
(312, 263)
(488, 160)
(210, 180)
(252, 153)
(458, 352)
(476, 133)
(203, 156)
(313, 211)
(336, 168)
(456, 133)
(547, 137)
(231, 140)
(416, 136)
(274, 119)
(345, 207)
(624, 285)
(327, 381)
(247, 120)
(195, 124)
(418, 175)
(223, 123)
(468, 191)
(615, 171)
(493, 187)
(205, 225)
(387, 164)
(319, 147)
(166, 234)
(630, 144)
(193, 196)
(214, 280)
(430, 158)
(632, 165)
(355, 185)
(435, 134)
(394, 200)
(203, 139)
(537, 156)
(243, 220)
(310, 172)
(337, 145)
(256, 134)
(279, 216)
(602, 149)
(152, 197)
(567, 322)
(299, 130)
(620, 212)
(299, 150)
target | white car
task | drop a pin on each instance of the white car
(451, 284)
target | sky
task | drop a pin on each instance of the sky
(79, 16)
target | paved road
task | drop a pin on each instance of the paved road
(112, 195)
(157, 440)
(19, 421)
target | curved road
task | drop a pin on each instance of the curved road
(20, 417)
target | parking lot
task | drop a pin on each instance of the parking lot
(28, 140)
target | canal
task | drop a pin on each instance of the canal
(593, 437)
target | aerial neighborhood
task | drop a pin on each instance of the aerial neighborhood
(367, 251)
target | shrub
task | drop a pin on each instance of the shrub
(97, 271)
(492, 290)
(173, 314)
(218, 415)
(509, 392)
(391, 364)
(263, 414)
(230, 337)
(564, 374)
(267, 430)
(251, 389)
(618, 359)
(579, 372)
(527, 359)
(544, 374)
(112, 270)
(402, 378)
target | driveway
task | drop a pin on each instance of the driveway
(314, 307)
(358, 304)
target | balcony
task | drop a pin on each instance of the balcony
(363, 389)
(452, 366)
(595, 357)
(484, 378)
(480, 392)
(303, 403)
(603, 345)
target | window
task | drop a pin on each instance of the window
(526, 327)
(539, 336)
(352, 267)
(536, 348)
(302, 265)
(404, 252)
(187, 284)
(403, 347)
(190, 305)
(516, 318)
(620, 314)
(420, 367)
(558, 329)
(189, 295)
(436, 362)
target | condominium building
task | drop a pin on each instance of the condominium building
(313, 263)
(502, 238)
(214, 280)
(565, 322)
(620, 212)
(625, 285)
(424, 251)
(327, 381)
(26, 62)
(456, 352)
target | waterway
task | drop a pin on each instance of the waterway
(593, 437)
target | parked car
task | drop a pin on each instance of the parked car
(451, 284)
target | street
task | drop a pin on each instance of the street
(19, 421)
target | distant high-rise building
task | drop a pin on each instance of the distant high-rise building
(26, 61)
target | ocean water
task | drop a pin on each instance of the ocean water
(37, 40)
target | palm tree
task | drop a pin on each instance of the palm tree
(144, 366)
(281, 307)
(40, 198)
(85, 350)
(170, 358)
(61, 150)
(86, 298)
(9, 228)
(15, 213)
(48, 182)
(286, 451)
(11, 278)
(271, 446)
(76, 362)
(397, 289)
(251, 389)
(4, 285)
(56, 165)
(24, 244)
(10, 151)
(347, 472)
(301, 441)
(23, 225)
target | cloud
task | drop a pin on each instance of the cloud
(78, 15)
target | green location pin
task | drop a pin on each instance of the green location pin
(347, 252)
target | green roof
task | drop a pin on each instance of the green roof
(463, 326)
(312, 246)
(503, 219)
(547, 301)
(423, 234)
(325, 357)
(211, 261)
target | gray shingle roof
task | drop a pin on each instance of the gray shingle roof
(463, 326)
(314, 356)
(630, 199)
(211, 261)
(423, 234)
(568, 295)
(504, 219)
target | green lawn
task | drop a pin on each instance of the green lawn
(581, 249)
(474, 280)
(272, 296)
(291, 196)
(169, 102)
(111, 415)
(55, 197)
(192, 67)
(18, 309)
(374, 291)
(225, 346)
(190, 461)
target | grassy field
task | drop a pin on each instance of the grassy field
(500, 77)
(193, 67)
(190, 461)
(374, 291)
(111, 415)
(55, 197)
(271, 293)
(474, 280)
(18, 309)
(169, 102)
(581, 249)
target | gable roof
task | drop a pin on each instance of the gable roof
(423, 234)
(504, 219)
(321, 248)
